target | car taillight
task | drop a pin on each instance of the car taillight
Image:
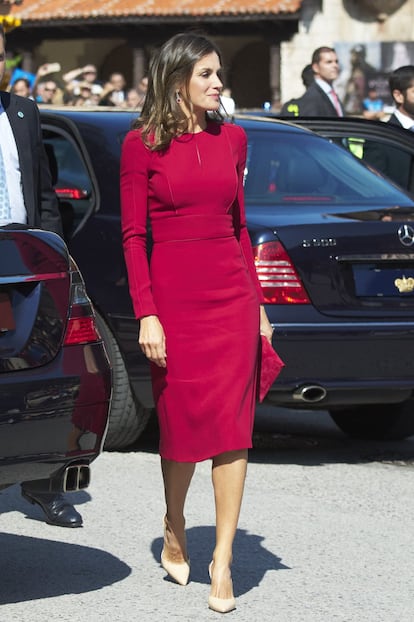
(277, 275)
(81, 326)
(71, 193)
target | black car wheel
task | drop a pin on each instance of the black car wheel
(377, 422)
(127, 418)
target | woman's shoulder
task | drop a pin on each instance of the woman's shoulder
(134, 140)
(134, 135)
(134, 151)
(236, 133)
(232, 127)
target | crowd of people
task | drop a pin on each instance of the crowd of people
(77, 87)
(82, 87)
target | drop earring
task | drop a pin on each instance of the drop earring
(177, 97)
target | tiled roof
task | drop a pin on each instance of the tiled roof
(58, 10)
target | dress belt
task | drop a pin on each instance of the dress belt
(192, 227)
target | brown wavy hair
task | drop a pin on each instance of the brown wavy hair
(170, 70)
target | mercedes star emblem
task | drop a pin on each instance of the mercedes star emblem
(406, 235)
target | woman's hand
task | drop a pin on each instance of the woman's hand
(152, 340)
(265, 326)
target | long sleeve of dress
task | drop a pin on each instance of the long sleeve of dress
(240, 217)
(135, 160)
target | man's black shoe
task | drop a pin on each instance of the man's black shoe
(58, 511)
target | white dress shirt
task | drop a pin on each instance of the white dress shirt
(12, 167)
(406, 121)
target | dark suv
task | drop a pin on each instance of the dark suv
(334, 249)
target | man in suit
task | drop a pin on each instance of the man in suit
(320, 98)
(27, 198)
(395, 163)
(401, 82)
(292, 107)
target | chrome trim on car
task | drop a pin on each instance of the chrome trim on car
(382, 257)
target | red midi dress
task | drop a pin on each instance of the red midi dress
(201, 283)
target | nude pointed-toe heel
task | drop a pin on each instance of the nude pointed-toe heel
(177, 570)
(180, 572)
(220, 605)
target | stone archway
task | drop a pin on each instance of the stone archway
(249, 75)
(119, 60)
(382, 6)
(372, 9)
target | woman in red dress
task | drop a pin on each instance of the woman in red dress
(199, 299)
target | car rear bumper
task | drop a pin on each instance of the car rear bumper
(351, 363)
(55, 415)
(325, 395)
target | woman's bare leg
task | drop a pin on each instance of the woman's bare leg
(228, 474)
(177, 478)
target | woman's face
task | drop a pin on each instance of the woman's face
(205, 85)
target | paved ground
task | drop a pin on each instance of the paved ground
(326, 534)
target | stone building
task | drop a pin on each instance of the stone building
(265, 43)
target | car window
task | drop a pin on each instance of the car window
(396, 162)
(299, 168)
(351, 143)
(71, 179)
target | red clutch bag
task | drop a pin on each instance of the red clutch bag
(270, 366)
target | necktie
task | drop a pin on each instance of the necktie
(5, 212)
(336, 103)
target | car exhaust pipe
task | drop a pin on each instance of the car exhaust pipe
(310, 393)
(76, 477)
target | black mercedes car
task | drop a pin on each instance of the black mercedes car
(334, 249)
(55, 376)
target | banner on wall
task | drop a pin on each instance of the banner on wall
(365, 67)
